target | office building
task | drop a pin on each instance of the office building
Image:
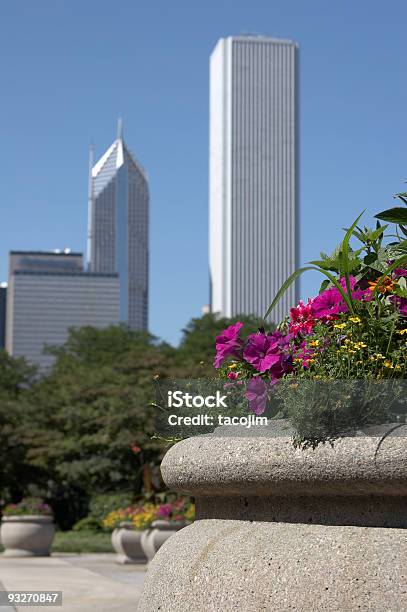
(49, 293)
(118, 228)
(3, 300)
(253, 191)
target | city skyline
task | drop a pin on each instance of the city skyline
(74, 80)
(253, 165)
(118, 218)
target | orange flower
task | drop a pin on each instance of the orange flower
(386, 286)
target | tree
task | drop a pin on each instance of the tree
(15, 472)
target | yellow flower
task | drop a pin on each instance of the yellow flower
(233, 366)
(339, 325)
(402, 331)
(190, 513)
(360, 345)
(397, 367)
(355, 319)
(314, 343)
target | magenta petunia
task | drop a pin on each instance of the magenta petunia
(262, 351)
(228, 344)
(328, 304)
(401, 304)
(256, 394)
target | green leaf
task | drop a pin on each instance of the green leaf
(377, 233)
(287, 284)
(324, 285)
(394, 215)
(370, 258)
(346, 259)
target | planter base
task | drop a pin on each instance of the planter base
(240, 565)
(18, 552)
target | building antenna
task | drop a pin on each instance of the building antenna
(90, 209)
(119, 129)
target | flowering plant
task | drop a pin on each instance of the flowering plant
(142, 516)
(354, 330)
(113, 519)
(29, 505)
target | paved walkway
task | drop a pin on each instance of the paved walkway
(89, 582)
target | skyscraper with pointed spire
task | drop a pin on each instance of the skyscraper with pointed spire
(118, 227)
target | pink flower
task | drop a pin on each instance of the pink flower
(262, 351)
(330, 303)
(302, 318)
(164, 510)
(256, 393)
(233, 375)
(228, 344)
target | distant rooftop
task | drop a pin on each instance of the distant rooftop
(48, 253)
(259, 38)
(65, 273)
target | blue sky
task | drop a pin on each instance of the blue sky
(69, 68)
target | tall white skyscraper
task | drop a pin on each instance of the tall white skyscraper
(118, 228)
(253, 165)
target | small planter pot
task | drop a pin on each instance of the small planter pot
(126, 542)
(152, 539)
(27, 535)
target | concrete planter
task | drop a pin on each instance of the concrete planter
(283, 529)
(126, 541)
(152, 539)
(27, 535)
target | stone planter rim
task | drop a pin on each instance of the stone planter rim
(167, 525)
(127, 525)
(42, 518)
(265, 465)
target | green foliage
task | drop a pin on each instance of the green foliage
(84, 433)
(82, 542)
(101, 505)
(89, 523)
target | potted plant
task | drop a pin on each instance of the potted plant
(125, 535)
(161, 521)
(338, 362)
(321, 523)
(27, 528)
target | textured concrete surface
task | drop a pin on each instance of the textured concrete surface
(216, 464)
(282, 529)
(222, 566)
(88, 582)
